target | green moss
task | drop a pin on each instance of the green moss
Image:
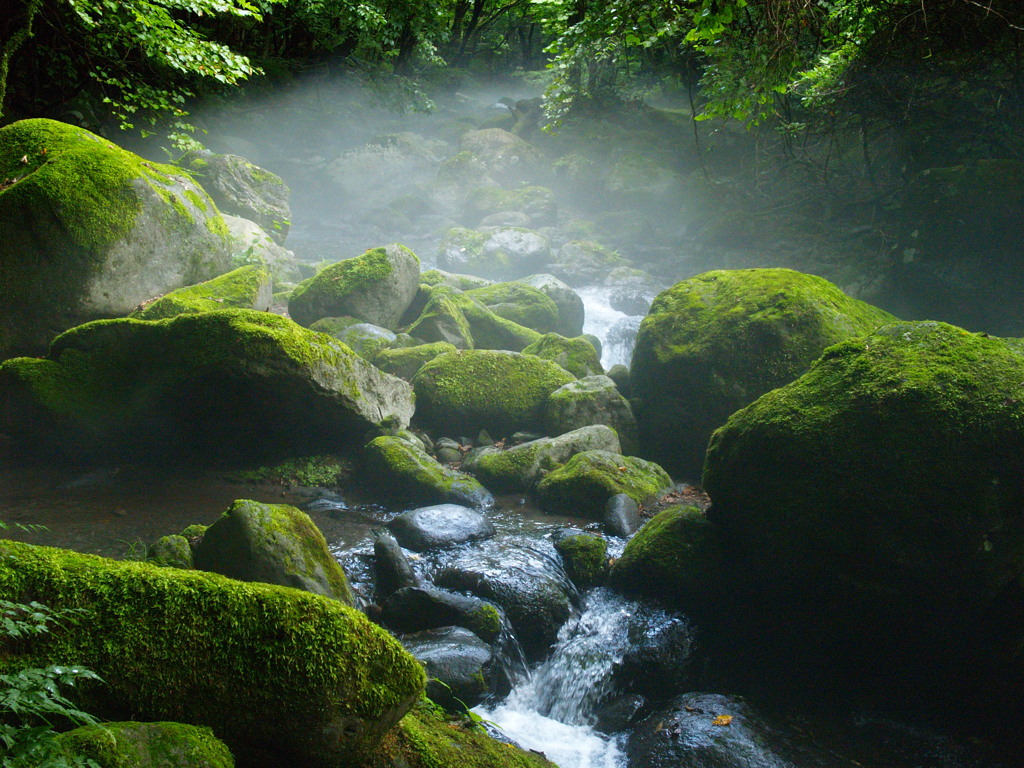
(585, 483)
(266, 667)
(397, 469)
(426, 739)
(238, 288)
(404, 362)
(196, 200)
(232, 378)
(577, 356)
(715, 342)
(170, 551)
(585, 557)
(678, 557)
(485, 622)
(332, 326)
(465, 391)
(323, 294)
(323, 471)
(520, 303)
(146, 745)
(272, 543)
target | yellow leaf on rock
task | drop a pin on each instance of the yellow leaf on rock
(722, 720)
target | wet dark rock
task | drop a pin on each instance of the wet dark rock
(458, 665)
(441, 525)
(412, 609)
(621, 516)
(525, 578)
(619, 373)
(662, 656)
(619, 713)
(391, 566)
(692, 731)
(630, 301)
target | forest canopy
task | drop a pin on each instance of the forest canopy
(924, 67)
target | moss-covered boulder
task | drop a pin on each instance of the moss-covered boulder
(145, 745)
(242, 189)
(591, 400)
(570, 306)
(282, 676)
(519, 303)
(503, 253)
(173, 551)
(274, 544)
(248, 287)
(412, 609)
(404, 362)
(508, 158)
(366, 339)
(676, 557)
(583, 486)
(396, 469)
(520, 467)
(375, 288)
(716, 342)
(251, 243)
(465, 391)
(89, 230)
(425, 739)
(434, 277)
(536, 203)
(459, 319)
(578, 356)
(230, 383)
(884, 486)
(586, 558)
(585, 262)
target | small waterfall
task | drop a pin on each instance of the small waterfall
(553, 710)
(615, 329)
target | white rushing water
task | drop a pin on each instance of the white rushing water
(615, 329)
(552, 712)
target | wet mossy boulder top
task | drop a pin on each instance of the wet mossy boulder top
(887, 479)
(404, 362)
(465, 391)
(90, 230)
(463, 321)
(502, 253)
(519, 303)
(231, 383)
(248, 287)
(716, 342)
(275, 544)
(375, 287)
(272, 670)
(578, 356)
(521, 466)
(677, 557)
(570, 306)
(145, 745)
(398, 469)
(584, 484)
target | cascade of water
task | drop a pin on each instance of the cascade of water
(616, 330)
(553, 709)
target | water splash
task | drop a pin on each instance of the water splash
(615, 329)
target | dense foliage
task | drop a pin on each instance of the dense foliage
(921, 69)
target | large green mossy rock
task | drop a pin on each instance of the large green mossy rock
(375, 287)
(591, 400)
(520, 303)
(459, 319)
(676, 557)
(146, 745)
(397, 469)
(583, 486)
(89, 230)
(274, 544)
(716, 342)
(248, 287)
(426, 739)
(503, 253)
(404, 362)
(217, 385)
(521, 466)
(883, 489)
(578, 356)
(284, 677)
(465, 391)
